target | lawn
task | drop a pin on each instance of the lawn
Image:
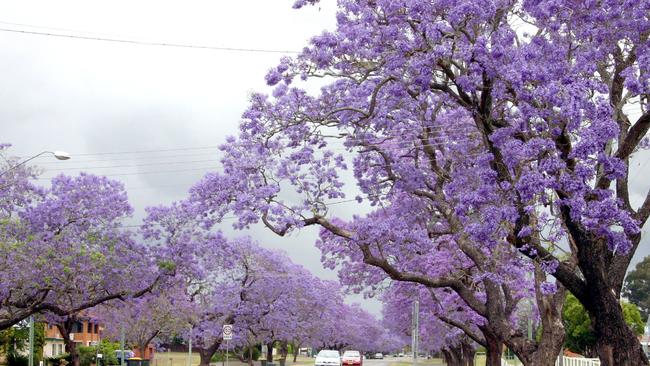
(429, 362)
(180, 359)
(479, 360)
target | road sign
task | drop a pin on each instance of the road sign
(99, 355)
(227, 331)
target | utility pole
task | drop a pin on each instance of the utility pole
(122, 341)
(415, 332)
(31, 341)
(189, 351)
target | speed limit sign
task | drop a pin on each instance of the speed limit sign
(227, 331)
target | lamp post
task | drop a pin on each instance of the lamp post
(60, 155)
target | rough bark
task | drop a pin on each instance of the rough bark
(459, 355)
(450, 358)
(493, 351)
(269, 351)
(205, 354)
(616, 343)
(545, 351)
(65, 329)
(284, 350)
(205, 358)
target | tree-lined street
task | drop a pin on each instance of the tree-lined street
(476, 168)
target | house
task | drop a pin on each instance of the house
(85, 332)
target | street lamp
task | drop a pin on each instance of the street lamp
(60, 155)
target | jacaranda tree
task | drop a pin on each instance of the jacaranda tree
(514, 120)
(64, 249)
(435, 334)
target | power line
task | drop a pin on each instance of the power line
(134, 165)
(131, 158)
(144, 43)
(205, 169)
(324, 204)
(212, 168)
(144, 151)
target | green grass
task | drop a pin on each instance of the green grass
(180, 359)
(479, 360)
(429, 362)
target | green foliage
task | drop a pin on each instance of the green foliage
(107, 349)
(637, 287)
(17, 360)
(57, 360)
(579, 333)
(86, 355)
(14, 343)
(632, 316)
(221, 356)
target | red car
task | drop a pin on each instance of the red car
(352, 358)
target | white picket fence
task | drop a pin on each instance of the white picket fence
(568, 361)
(575, 361)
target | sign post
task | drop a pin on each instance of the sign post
(227, 336)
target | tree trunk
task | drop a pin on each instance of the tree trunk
(616, 343)
(206, 354)
(71, 349)
(269, 352)
(250, 355)
(493, 351)
(284, 350)
(206, 357)
(65, 329)
(545, 351)
(468, 354)
(296, 349)
(460, 355)
(450, 358)
(142, 348)
(455, 356)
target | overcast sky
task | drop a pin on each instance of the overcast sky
(92, 97)
(88, 97)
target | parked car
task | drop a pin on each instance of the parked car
(352, 358)
(401, 354)
(328, 357)
(379, 356)
(127, 354)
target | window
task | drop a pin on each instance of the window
(90, 327)
(60, 349)
(96, 328)
(54, 349)
(77, 327)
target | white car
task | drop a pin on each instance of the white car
(328, 357)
